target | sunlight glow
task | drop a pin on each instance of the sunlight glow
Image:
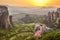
(31, 3)
(40, 2)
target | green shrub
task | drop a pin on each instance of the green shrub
(25, 32)
(55, 35)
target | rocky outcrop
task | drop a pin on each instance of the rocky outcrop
(26, 19)
(54, 17)
(4, 17)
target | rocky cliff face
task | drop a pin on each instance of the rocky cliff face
(54, 17)
(4, 17)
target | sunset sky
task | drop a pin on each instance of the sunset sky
(31, 3)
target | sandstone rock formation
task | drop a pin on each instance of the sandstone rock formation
(4, 17)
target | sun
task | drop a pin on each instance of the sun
(40, 2)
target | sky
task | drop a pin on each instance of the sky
(31, 3)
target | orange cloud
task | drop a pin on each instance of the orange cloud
(31, 3)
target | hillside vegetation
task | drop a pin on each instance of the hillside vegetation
(25, 32)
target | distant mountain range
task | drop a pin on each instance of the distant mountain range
(27, 10)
